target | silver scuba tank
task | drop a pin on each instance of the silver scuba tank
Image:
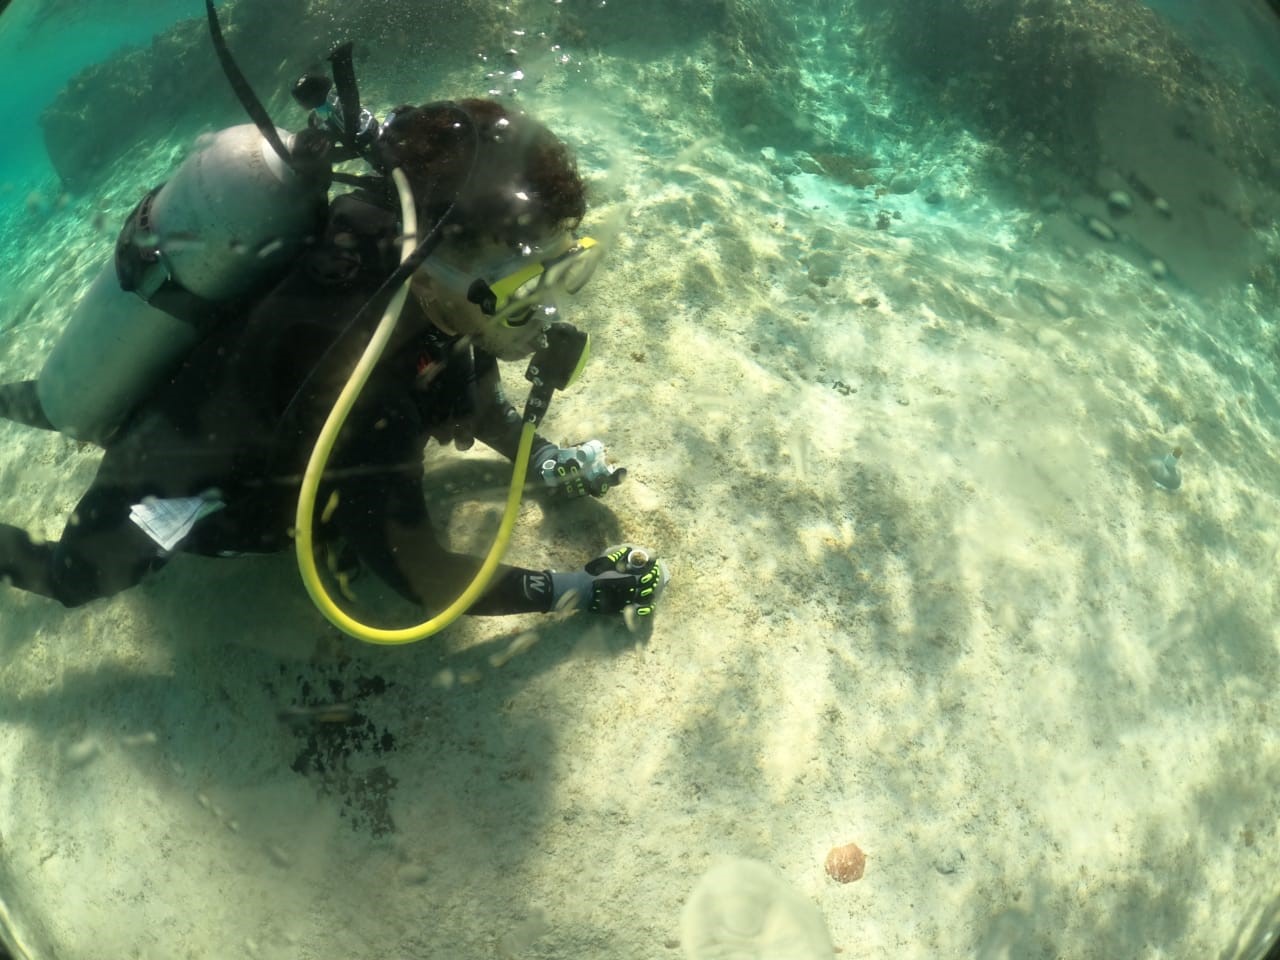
(231, 215)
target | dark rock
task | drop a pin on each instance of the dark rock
(855, 168)
(823, 267)
(904, 183)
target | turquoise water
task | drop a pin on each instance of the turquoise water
(40, 59)
(940, 344)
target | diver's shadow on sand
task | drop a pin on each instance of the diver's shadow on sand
(581, 525)
(267, 728)
(263, 728)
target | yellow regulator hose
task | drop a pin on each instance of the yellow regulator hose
(303, 540)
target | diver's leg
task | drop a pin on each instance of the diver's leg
(24, 564)
(18, 402)
(101, 552)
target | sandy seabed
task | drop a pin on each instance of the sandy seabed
(927, 598)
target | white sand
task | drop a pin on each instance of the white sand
(938, 609)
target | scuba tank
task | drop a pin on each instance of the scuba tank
(236, 212)
(232, 216)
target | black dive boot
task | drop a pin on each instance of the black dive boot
(18, 402)
(24, 564)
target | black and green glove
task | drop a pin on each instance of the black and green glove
(577, 470)
(620, 578)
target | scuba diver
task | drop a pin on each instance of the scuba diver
(207, 357)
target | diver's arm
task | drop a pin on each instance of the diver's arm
(497, 423)
(386, 521)
(573, 471)
(380, 512)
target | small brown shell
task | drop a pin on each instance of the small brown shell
(846, 864)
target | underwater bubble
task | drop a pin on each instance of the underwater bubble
(278, 855)
(571, 600)
(522, 937)
(270, 248)
(519, 645)
(1119, 202)
(746, 910)
(83, 752)
(413, 873)
(1100, 229)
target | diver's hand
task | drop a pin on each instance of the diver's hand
(578, 470)
(621, 579)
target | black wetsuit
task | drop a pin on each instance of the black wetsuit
(239, 418)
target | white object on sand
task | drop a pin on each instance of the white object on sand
(1165, 471)
(743, 909)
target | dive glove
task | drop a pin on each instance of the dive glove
(578, 470)
(620, 578)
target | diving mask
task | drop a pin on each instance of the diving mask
(517, 296)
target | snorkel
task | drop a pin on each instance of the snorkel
(554, 367)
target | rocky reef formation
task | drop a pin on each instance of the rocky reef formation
(176, 81)
(753, 88)
(1057, 69)
(143, 91)
(753, 85)
(1081, 100)
(1091, 97)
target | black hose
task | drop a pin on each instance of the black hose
(424, 249)
(344, 78)
(244, 93)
